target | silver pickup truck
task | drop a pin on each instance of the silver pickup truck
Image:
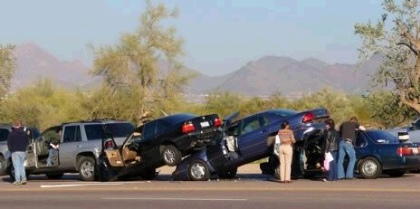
(79, 148)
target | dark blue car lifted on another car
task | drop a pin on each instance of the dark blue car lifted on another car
(250, 139)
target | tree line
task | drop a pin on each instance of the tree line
(135, 88)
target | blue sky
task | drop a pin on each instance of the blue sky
(220, 36)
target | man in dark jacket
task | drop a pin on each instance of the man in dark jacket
(17, 143)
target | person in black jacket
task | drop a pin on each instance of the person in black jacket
(331, 147)
(17, 142)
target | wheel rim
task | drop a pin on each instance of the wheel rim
(369, 168)
(169, 156)
(197, 171)
(87, 169)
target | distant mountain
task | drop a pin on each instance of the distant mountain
(264, 76)
(35, 63)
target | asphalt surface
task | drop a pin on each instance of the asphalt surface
(248, 190)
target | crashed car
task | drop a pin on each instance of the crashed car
(250, 139)
(164, 141)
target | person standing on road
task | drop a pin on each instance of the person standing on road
(346, 147)
(287, 140)
(17, 142)
(332, 148)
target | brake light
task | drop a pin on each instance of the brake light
(217, 122)
(109, 144)
(188, 127)
(401, 151)
(308, 117)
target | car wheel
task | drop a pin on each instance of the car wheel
(1, 165)
(171, 155)
(396, 173)
(370, 168)
(228, 174)
(198, 171)
(54, 175)
(87, 168)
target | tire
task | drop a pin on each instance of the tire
(228, 174)
(87, 169)
(396, 173)
(370, 168)
(171, 155)
(2, 163)
(198, 171)
(54, 175)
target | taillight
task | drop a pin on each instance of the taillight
(217, 122)
(188, 127)
(109, 144)
(308, 117)
(405, 151)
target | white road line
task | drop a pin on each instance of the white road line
(173, 199)
(88, 184)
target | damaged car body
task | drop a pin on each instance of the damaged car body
(164, 141)
(250, 139)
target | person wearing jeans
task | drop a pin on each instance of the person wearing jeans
(346, 147)
(331, 147)
(17, 142)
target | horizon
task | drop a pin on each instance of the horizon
(251, 29)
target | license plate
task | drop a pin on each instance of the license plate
(205, 124)
(415, 151)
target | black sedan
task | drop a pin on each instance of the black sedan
(159, 142)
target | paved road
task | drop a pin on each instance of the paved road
(249, 190)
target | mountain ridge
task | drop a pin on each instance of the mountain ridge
(264, 76)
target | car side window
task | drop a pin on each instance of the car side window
(360, 140)
(4, 133)
(94, 132)
(416, 125)
(72, 134)
(250, 124)
(264, 121)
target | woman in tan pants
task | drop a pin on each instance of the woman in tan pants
(287, 140)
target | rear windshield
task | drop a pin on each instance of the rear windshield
(97, 131)
(382, 137)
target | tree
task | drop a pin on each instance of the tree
(7, 68)
(399, 45)
(142, 68)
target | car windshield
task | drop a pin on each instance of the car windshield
(382, 137)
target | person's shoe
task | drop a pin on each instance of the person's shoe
(352, 178)
(342, 179)
(24, 182)
(282, 181)
(17, 183)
